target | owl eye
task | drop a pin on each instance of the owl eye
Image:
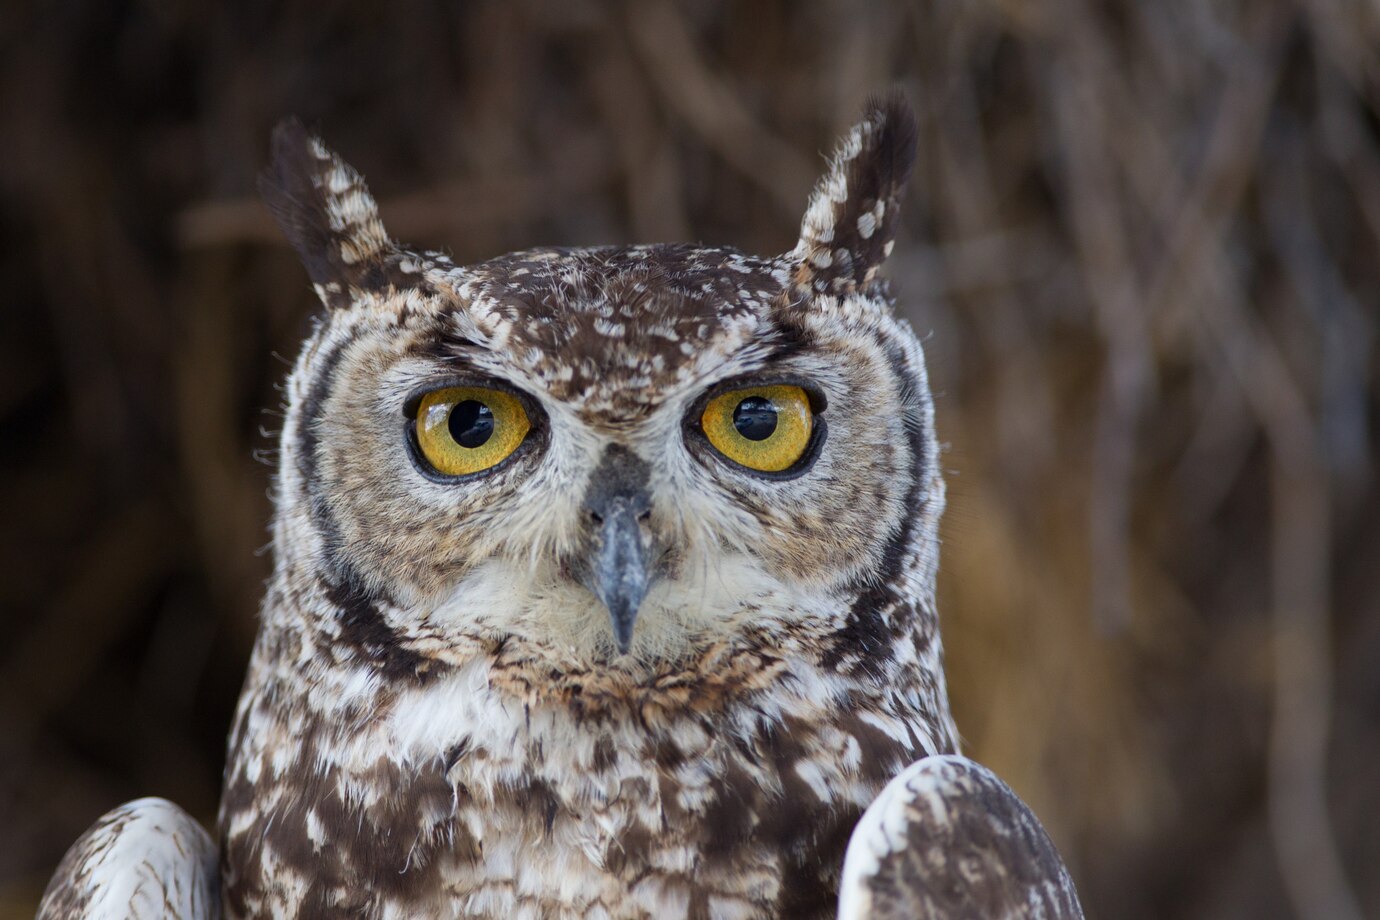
(463, 430)
(764, 428)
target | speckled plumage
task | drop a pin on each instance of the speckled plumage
(437, 719)
(948, 839)
(145, 860)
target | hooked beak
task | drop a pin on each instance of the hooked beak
(618, 572)
(617, 569)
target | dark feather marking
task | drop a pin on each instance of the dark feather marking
(445, 345)
(865, 633)
(878, 172)
(882, 756)
(454, 754)
(605, 754)
(538, 800)
(292, 197)
(731, 817)
(308, 438)
(810, 883)
(811, 834)
(791, 338)
(626, 855)
(289, 190)
(698, 908)
(363, 628)
(304, 212)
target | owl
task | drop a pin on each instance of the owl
(603, 588)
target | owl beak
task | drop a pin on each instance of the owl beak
(618, 574)
(618, 567)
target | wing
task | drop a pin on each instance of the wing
(145, 859)
(947, 838)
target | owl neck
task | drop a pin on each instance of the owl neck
(342, 684)
(345, 649)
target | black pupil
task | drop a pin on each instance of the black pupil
(471, 423)
(755, 418)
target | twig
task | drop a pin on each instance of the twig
(663, 41)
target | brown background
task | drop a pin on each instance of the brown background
(1142, 242)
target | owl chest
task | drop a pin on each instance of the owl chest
(589, 825)
(637, 831)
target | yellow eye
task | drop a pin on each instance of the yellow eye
(763, 428)
(463, 430)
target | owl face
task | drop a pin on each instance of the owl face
(614, 456)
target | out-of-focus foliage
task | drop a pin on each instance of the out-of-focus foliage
(1143, 241)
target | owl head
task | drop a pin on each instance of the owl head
(607, 459)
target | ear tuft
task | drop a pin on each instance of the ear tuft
(849, 226)
(325, 211)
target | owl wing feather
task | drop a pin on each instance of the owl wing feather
(146, 859)
(947, 838)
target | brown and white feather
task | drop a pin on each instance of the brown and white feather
(146, 860)
(948, 839)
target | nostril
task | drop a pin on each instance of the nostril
(644, 517)
(596, 517)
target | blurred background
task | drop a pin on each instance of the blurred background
(1142, 244)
